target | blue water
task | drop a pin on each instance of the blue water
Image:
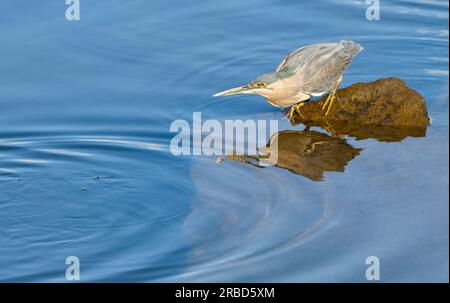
(86, 170)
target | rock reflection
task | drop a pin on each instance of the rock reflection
(383, 133)
(307, 153)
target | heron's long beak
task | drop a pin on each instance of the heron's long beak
(245, 89)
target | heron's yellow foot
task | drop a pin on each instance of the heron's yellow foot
(295, 108)
(334, 97)
(291, 113)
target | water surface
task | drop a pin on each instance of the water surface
(86, 170)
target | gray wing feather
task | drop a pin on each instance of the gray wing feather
(318, 67)
(300, 55)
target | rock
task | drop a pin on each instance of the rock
(384, 102)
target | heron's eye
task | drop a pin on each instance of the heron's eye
(260, 84)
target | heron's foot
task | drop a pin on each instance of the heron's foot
(290, 114)
(298, 106)
(295, 109)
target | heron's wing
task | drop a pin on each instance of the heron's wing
(326, 68)
(300, 55)
(318, 67)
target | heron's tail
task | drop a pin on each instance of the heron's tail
(351, 48)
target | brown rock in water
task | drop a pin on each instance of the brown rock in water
(386, 109)
(384, 102)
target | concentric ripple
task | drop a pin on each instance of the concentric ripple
(61, 187)
(73, 193)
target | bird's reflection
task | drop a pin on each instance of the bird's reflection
(307, 153)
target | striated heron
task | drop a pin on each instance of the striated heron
(309, 71)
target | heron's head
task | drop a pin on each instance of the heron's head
(263, 85)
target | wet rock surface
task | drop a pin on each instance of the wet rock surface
(384, 102)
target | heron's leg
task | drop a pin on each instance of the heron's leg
(291, 113)
(327, 100)
(297, 107)
(333, 97)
